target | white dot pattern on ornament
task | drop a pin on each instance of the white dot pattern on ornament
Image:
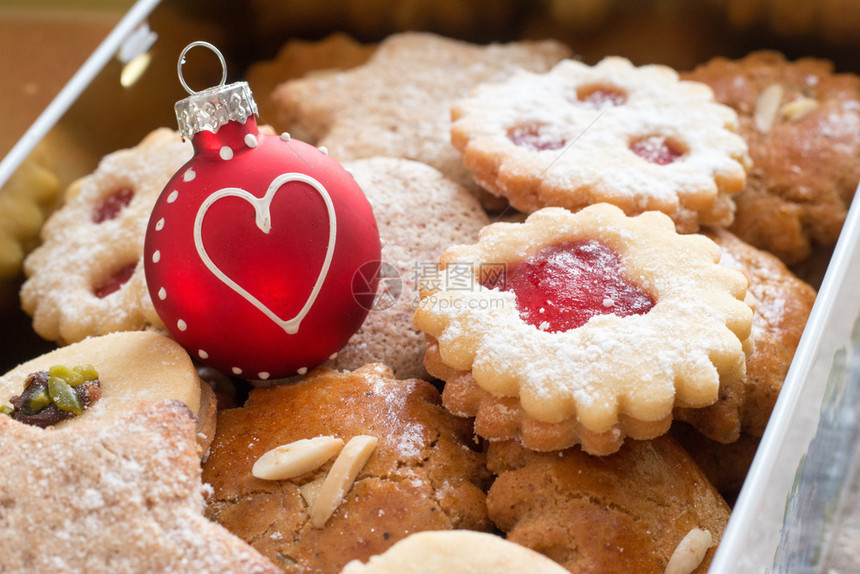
(172, 197)
(162, 294)
(251, 140)
(202, 354)
(263, 375)
(226, 153)
(286, 136)
(332, 357)
(181, 325)
(159, 225)
(323, 149)
(302, 370)
(236, 371)
(189, 175)
(156, 256)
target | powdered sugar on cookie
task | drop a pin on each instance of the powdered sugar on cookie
(631, 368)
(637, 138)
(87, 277)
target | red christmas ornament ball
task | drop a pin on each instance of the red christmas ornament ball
(261, 254)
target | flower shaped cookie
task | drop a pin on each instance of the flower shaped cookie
(584, 327)
(637, 138)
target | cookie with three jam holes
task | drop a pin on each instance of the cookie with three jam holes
(584, 328)
(637, 138)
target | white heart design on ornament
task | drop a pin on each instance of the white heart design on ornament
(263, 214)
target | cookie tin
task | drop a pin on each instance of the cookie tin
(797, 511)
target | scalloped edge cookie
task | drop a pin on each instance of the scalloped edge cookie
(588, 157)
(613, 376)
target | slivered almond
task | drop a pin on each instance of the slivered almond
(690, 552)
(311, 491)
(766, 107)
(796, 110)
(346, 467)
(299, 457)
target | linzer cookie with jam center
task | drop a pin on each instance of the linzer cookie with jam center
(86, 278)
(637, 138)
(584, 328)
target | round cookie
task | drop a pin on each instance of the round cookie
(455, 552)
(87, 277)
(422, 475)
(637, 138)
(800, 121)
(419, 213)
(645, 318)
(133, 368)
(782, 305)
(627, 512)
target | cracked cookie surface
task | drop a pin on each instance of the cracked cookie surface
(422, 475)
(626, 512)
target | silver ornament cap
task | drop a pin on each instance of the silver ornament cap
(212, 108)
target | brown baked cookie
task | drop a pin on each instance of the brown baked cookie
(87, 277)
(800, 120)
(298, 58)
(422, 474)
(782, 305)
(725, 465)
(419, 212)
(398, 103)
(627, 512)
(112, 495)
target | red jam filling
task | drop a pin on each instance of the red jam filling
(110, 206)
(563, 286)
(598, 97)
(656, 149)
(535, 139)
(115, 281)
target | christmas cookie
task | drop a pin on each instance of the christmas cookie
(584, 327)
(417, 470)
(406, 91)
(782, 306)
(638, 510)
(406, 196)
(298, 58)
(800, 122)
(87, 277)
(132, 368)
(634, 137)
(112, 495)
(455, 552)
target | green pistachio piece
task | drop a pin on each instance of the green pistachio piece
(64, 396)
(6, 410)
(36, 402)
(88, 372)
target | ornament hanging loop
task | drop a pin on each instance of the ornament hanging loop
(182, 61)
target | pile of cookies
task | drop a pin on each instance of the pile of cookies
(594, 318)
